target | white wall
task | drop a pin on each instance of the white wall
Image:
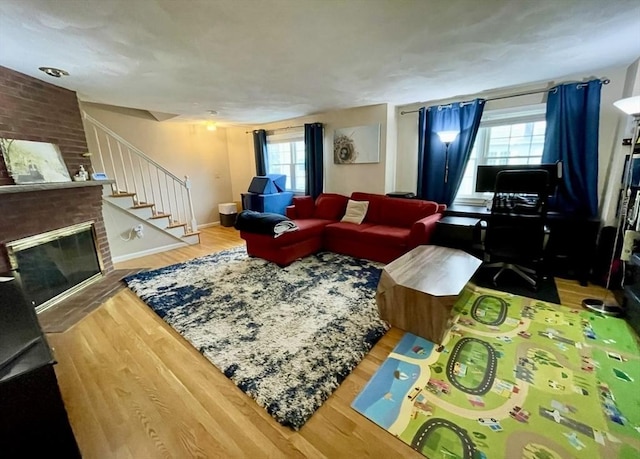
(183, 149)
(407, 159)
(338, 178)
(392, 152)
(242, 162)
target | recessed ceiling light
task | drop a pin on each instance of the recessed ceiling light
(54, 72)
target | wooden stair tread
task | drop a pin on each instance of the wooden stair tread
(142, 206)
(192, 233)
(176, 225)
(153, 217)
(121, 194)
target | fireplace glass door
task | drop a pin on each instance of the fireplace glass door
(53, 265)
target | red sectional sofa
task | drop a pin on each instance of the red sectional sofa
(392, 227)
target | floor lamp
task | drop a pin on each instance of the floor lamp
(446, 137)
(631, 106)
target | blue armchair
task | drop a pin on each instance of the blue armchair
(267, 194)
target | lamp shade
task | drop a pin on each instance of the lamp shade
(629, 105)
(448, 136)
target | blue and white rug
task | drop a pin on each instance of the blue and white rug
(286, 336)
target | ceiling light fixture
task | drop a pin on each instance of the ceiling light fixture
(211, 126)
(54, 72)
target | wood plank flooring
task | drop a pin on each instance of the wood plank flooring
(134, 388)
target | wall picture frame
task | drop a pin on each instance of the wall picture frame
(357, 145)
(33, 162)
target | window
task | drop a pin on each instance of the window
(285, 155)
(514, 136)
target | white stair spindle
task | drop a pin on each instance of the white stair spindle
(124, 170)
(113, 164)
(133, 175)
(194, 224)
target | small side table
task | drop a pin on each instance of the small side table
(457, 232)
(417, 291)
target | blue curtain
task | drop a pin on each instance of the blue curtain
(573, 117)
(314, 162)
(463, 117)
(260, 149)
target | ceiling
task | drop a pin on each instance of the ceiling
(256, 61)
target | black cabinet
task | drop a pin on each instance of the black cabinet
(458, 233)
(33, 420)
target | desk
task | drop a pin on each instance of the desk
(572, 240)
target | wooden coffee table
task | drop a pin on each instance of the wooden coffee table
(417, 291)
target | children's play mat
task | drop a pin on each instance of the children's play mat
(515, 378)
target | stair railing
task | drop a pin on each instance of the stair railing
(135, 172)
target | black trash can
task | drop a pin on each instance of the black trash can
(228, 213)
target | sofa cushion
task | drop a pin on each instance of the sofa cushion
(344, 230)
(304, 206)
(391, 236)
(330, 206)
(356, 211)
(375, 205)
(404, 212)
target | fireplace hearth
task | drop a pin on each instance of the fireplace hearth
(56, 264)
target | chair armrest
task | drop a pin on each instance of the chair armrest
(545, 239)
(422, 230)
(482, 224)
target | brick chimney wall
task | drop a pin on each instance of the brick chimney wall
(31, 109)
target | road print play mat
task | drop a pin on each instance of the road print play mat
(515, 378)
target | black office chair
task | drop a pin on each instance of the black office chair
(514, 237)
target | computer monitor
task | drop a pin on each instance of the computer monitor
(486, 175)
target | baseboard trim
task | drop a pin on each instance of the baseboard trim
(208, 225)
(164, 248)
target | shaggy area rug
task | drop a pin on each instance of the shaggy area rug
(286, 336)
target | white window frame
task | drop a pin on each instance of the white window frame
(290, 137)
(493, 118)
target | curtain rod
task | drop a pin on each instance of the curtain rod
(278, 129)
(602, 80)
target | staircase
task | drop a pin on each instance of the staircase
(142, 187)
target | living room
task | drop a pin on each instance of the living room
(221, 163)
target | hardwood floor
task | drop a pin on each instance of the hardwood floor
(134, 388)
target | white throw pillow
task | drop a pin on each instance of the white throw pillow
(356, 211)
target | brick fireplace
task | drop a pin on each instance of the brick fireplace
(31, 109)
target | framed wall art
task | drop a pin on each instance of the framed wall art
(33, 162)
(357, 145)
